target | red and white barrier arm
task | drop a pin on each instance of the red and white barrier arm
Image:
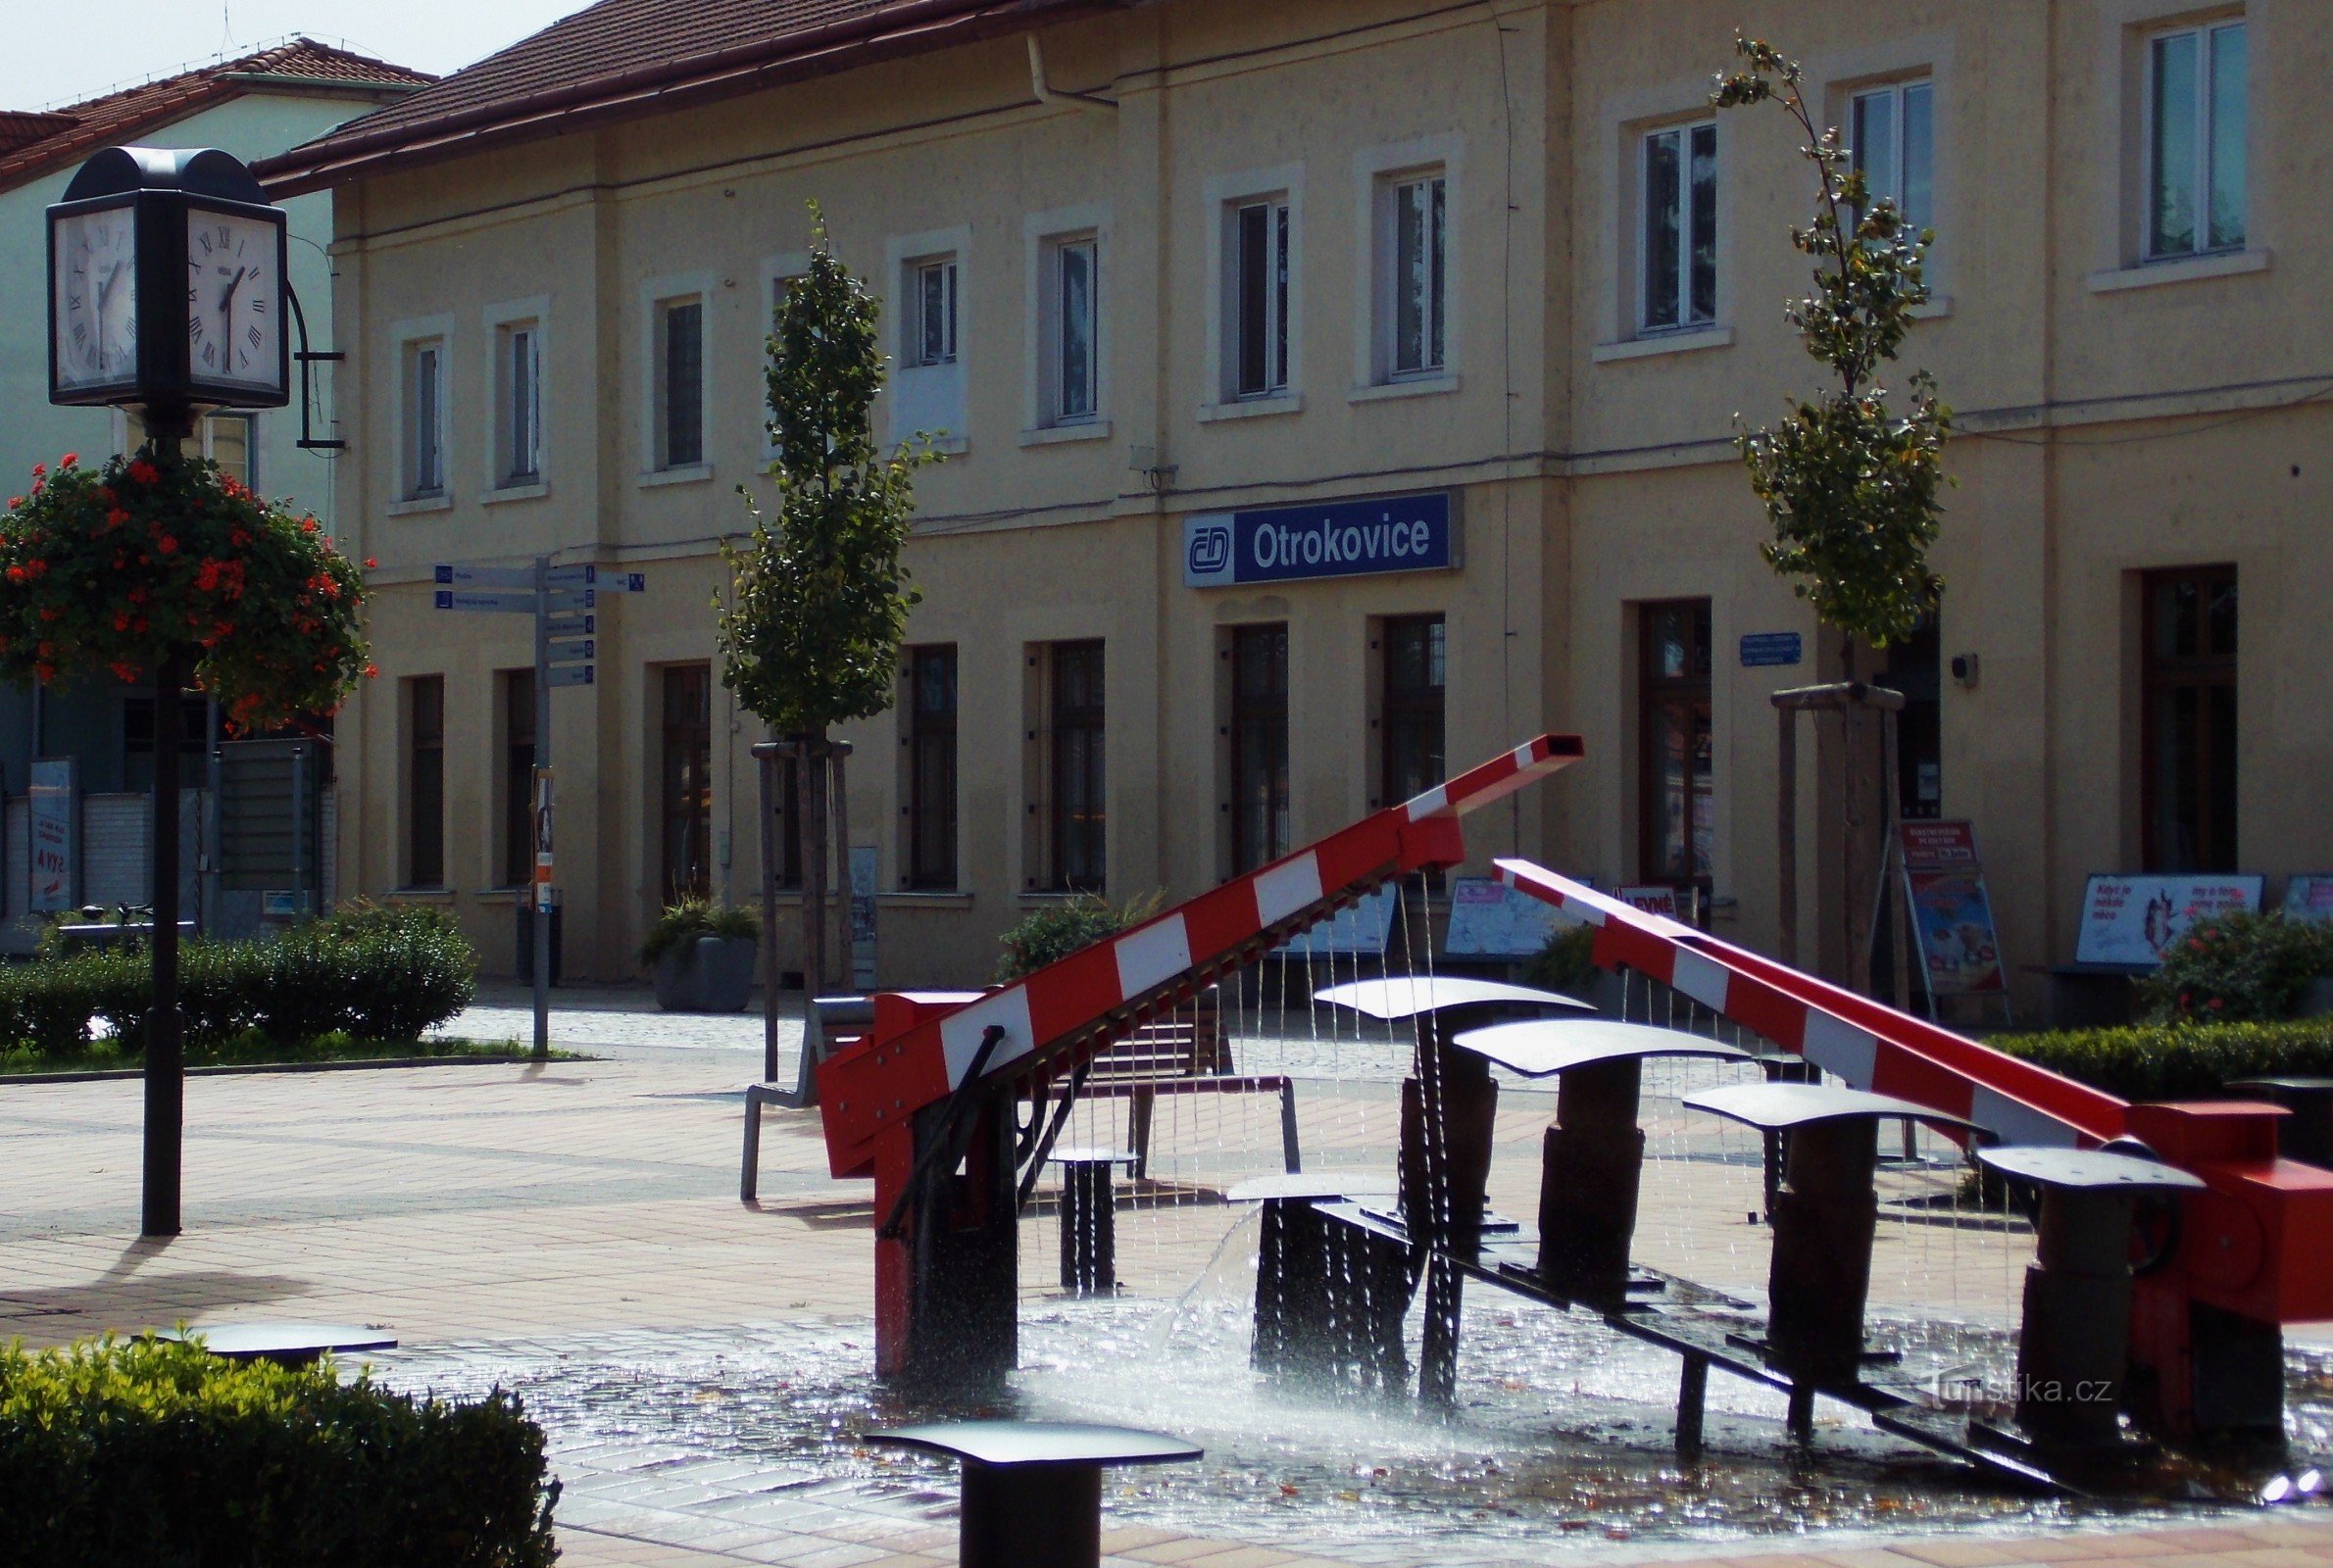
(919, 1052)
(1869, 1045)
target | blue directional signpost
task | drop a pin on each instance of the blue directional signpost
(564, 604)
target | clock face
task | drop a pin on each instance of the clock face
(234, 322)
(96, 311)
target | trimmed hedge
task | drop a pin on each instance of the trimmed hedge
(369, 972)
(2181, 1060)
(154, 1452)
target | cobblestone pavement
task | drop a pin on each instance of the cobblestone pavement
(573, 1228)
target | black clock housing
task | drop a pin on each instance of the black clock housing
(161, 186)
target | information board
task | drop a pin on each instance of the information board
(1652, 899)
(2308, 897)
(2129, 920)
(1362, 929)
(1489, 920)
(862, 916)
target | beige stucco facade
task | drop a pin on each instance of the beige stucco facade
(2116, 418)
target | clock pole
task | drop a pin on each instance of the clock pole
(166, 1026)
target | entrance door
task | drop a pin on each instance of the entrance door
(1675, 801)
(2188, 724)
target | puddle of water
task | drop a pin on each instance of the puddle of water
(1563, 1430)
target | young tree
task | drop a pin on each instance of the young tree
(1851, 481)
(818, 604)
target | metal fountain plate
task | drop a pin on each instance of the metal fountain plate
(1538, 1048)
(1324, 1185)
(280, 1341)
(1408, 996)
(2291, 1084)
(1775, 1108)
(1029, 1442)
(1091, 1156)
(2086, 1169)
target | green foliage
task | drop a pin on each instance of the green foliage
(1564, 964)
(150, 1451)
(684, 923)
(2171, 1062)
(1850, 484)
(1052, 932)
(368, 971)
(810, 637)
(2239, 967)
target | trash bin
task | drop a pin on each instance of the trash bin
(523, 966)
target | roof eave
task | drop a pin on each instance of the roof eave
(825, 51)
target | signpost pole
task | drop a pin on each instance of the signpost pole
(539, 926)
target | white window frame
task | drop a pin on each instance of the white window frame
(1433, 356)
(923, 271)
(1221, 197)
(1686, 321)
(1280, 241)
(918, 392)
(503, 322)
(2204, 30)
(1898, 92)
(1080, 404)
(656, 295)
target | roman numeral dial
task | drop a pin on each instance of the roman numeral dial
(233, 319)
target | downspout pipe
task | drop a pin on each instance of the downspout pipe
(1049, 94)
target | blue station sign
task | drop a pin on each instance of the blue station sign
(1335, 539)
(1765, 650)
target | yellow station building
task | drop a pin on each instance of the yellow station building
(1450, 310)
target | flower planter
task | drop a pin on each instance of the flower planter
(711, 974)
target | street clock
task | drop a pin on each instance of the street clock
(166, 285)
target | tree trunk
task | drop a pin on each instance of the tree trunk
(768, 789)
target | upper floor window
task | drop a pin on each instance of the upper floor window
(2195, 153)
(1072, 309)
(1260, 247)
(519, 405)
(1414, 273)
(934, 326)
(1892, 131)
(424, 419)
(1678, 244)
(681, 383)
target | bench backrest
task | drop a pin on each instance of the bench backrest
(1187, 1043)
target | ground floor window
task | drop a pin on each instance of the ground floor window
(1080, 814)
(517, 777)
(425, 783)
(137, 741)
(2188, 719)
(1675, 801)
(1258, 744)
(687, 793)
(931, 767)
(1411, 726)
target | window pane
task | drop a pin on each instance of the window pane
(1705, 222)
(1412, 276)
(1664, 199)
(2227, 136)
(517, 782)
(2172, 147)
(1877, 157)
(1259, 745)
(1255, 296)
(684, 414)
(1080, 817)
(1438, 285)
(428, 477)
(931, 762)
(1920, 156)
(1077, 331)
(230, 444)
(524, 443)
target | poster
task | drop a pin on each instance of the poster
(1651, 900)
(50, 801)
(2308, 897)
(1953, 917)
(1360, 929)
(1939, 845)
(1489, 920)
(862, 916)
(2128, 920)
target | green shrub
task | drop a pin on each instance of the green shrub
(684, 923)
(2181, 1060)
(1052, 932)
(1564, 963)
(371, 972)
(148, 1452)
(2238, 966)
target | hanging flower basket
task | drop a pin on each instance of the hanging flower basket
(114, 571)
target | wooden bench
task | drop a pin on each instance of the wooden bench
(1183, 1054)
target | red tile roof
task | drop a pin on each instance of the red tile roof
(620, 59)
(32, 144)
